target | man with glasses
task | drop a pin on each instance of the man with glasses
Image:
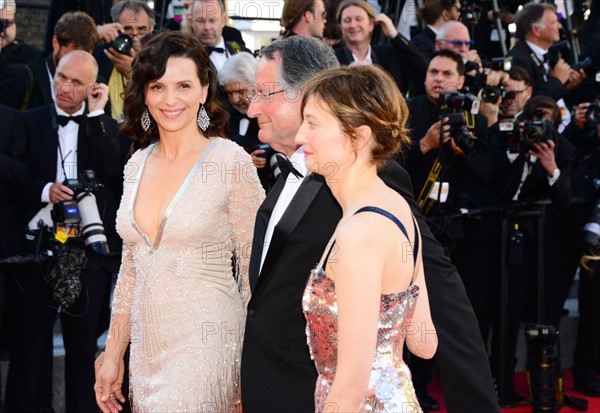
(455, 36)
(137, 20)
(303, 18)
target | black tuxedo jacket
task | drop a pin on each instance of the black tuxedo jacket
(277, 372)
(399, 58)
(522, 57)
(425, 42)
(14, 177)
(97, 148)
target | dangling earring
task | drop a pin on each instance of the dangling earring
(145, 120)
(203, 119)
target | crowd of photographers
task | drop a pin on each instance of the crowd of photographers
(504, 162)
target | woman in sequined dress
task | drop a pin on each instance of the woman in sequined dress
(361, 300)
(187, 214)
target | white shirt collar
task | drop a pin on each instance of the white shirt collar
(61, 112)
(537, 50)
(299, 161)
(368, 58)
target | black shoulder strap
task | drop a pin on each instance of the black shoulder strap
(28, 89)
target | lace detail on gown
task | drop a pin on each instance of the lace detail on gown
(187, 309)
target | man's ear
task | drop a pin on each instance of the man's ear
(55, 45)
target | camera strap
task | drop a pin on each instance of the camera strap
(423, 199)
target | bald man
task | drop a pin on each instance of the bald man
(65, 138)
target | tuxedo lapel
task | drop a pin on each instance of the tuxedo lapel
(289, 221)
(260, 228)
(51, 141)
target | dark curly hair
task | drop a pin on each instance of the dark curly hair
(150, 64)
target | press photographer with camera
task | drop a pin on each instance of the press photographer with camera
(13, 50)
(70, 144)
(448, 162)
(533, 180)
(115, 58)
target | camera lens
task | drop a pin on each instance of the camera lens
(490, 94)
(592, 115)
(123, 44)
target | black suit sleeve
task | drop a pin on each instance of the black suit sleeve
(461, 356)
(13, 83)
(14, 169)
(412, 62)
(560, 192)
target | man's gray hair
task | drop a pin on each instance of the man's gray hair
(238, 68)
(443, 31)
(532, 14)
(134, 5)
(302, 57)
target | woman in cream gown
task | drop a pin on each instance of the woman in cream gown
(186, 219)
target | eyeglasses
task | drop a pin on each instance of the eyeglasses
(257, 96)
(511, 94)
(459, 43)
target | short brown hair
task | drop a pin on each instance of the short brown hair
(78, 28)
(520, 74)
(432, 10)
(364, 95)
(542, 102)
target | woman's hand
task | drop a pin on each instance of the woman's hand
(109, 380)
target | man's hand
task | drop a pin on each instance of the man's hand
(431, 140)
(575, 78)
(97, 96)
(120, 61)
(579, 117)
(387, 25)
(561, 71)
(59, 192)
(109, 32)
(545, 153)
(258, 160)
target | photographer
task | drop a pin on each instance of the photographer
(576, 229)
(538, 29)
(448, 163)
(533, 169)
(65, 139)
(114, 59)
(12, 50)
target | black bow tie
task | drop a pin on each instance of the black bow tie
(63, 120)
(286, 167)
(210, 49)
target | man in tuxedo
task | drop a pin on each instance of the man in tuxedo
(208, 21)
(64, 139)
(434, 14)
(292, 228)
(28, 86)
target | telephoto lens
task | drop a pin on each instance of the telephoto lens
(92, 229)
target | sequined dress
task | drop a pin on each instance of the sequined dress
(390, 385)
(187, 310)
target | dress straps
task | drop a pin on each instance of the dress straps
(396, 221)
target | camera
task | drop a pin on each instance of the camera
(123, 44)
(537, 130)
(455, 102)
(511, 132)
(80, 218)
(591, 230)
(4, 23)
(592, 114)
(459, 131)
(470, 13)
(491, 93)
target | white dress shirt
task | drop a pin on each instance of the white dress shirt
(291, 186)
(219, 59)
(66, 155)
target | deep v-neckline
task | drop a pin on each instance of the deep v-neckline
(151, 247)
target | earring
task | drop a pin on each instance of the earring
(203, 119)
(145, 120)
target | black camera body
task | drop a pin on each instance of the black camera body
(491, 93)
(3, 25)
(79, 218)
(123, 44)
(520, 136)
(454, 105)
(470, 13)
(454, 102)
(459, 131)
(592, 114)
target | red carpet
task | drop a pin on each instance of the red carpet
(521, 386)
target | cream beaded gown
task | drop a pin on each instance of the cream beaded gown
(187, 308)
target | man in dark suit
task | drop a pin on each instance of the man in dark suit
(277, 371)
(65, 139)
(28, 86)
(208, 21)
(434, 14)
(13, 50)
(14, 178)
